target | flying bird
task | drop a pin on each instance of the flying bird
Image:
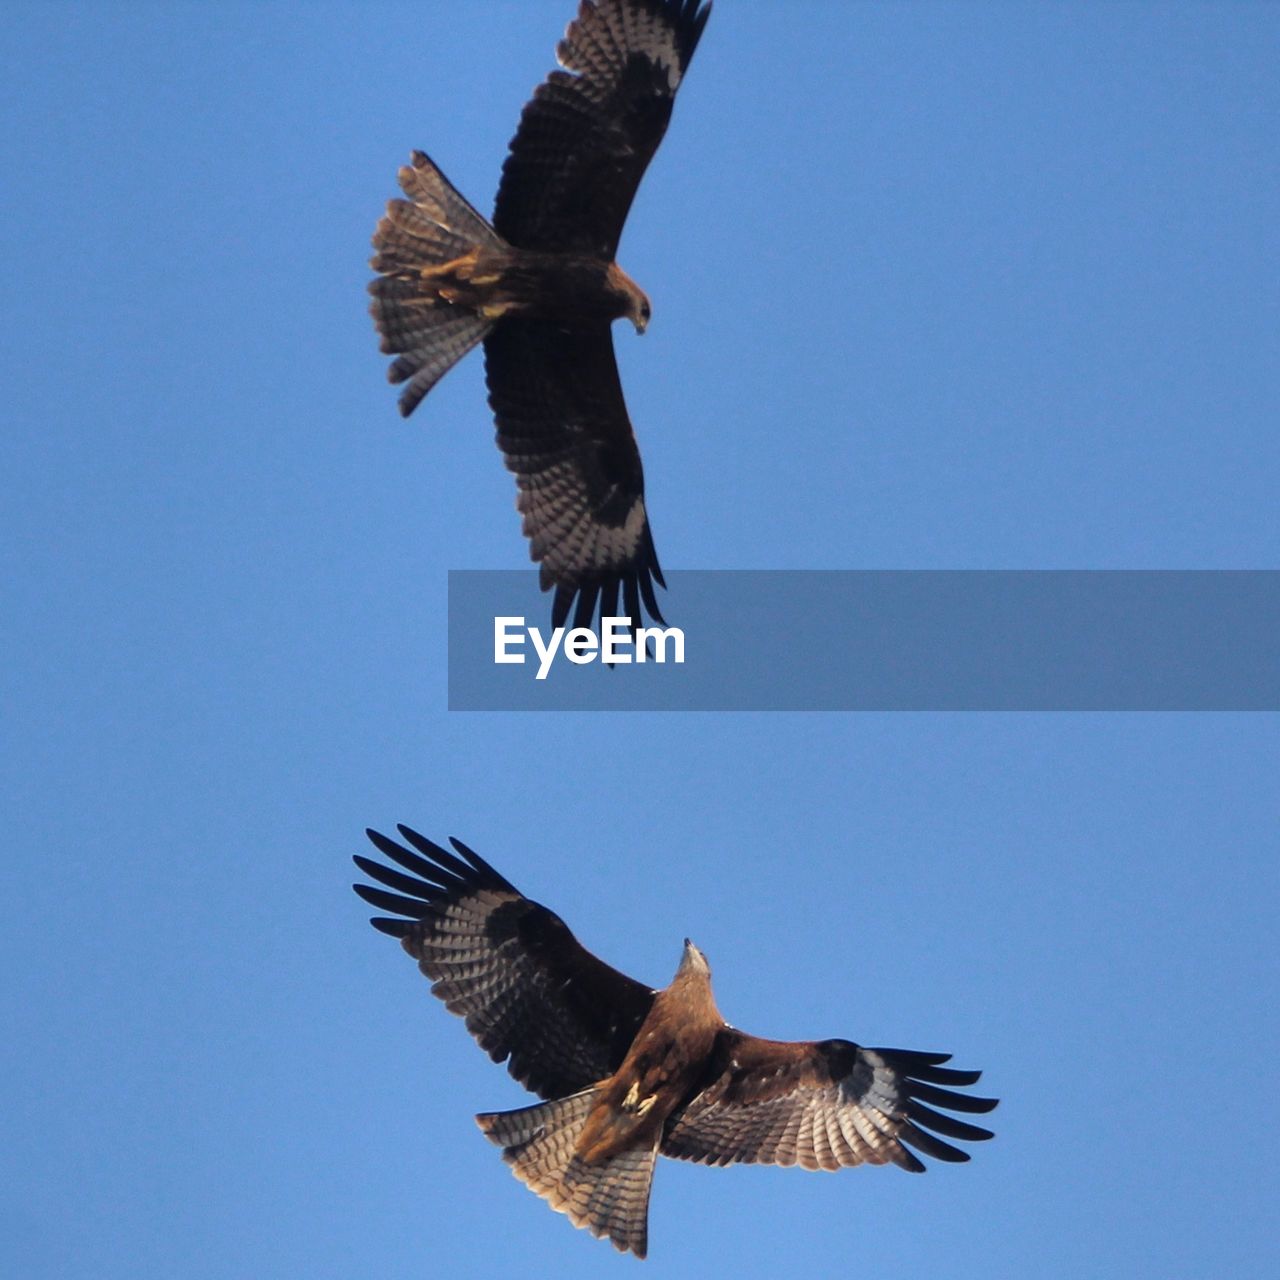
(539, 286)
(629, 1073)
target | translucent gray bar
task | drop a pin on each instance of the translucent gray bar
(928, 640)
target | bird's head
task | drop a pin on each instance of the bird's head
(693, 962)
(640, 313)
(633, 299)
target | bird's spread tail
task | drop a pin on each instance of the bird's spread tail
(421, 245)
(609, 1199)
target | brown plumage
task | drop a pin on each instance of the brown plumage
(630, 1073)
(540, 287)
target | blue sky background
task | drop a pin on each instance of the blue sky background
(935, 286)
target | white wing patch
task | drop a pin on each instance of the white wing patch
(605, 33)
(563, 532)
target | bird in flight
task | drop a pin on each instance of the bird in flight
(628, 1073)
(540, 287)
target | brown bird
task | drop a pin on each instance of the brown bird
(541, 289)
(630, 1073)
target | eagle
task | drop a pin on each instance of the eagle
(628, 1073)
(539, 286)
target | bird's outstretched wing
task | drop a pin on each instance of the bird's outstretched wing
(528, 989)
(563, 429)
(823, 1105)
(589, 131)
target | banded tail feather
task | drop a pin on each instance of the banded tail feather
(420, 244)
(609, 1199)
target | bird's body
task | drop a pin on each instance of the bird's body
(661, 1068)
(559, 288)
(539, 287)
(629, 1073)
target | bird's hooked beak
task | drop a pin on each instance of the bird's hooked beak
(641, 314)
(693, 960)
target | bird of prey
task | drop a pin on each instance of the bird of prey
(540, 287)
(629, 1073)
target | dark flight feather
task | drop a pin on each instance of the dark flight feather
(827, 1104)
(589, 131)
(564, 431)
(529, 991)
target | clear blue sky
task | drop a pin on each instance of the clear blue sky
(935, 286)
